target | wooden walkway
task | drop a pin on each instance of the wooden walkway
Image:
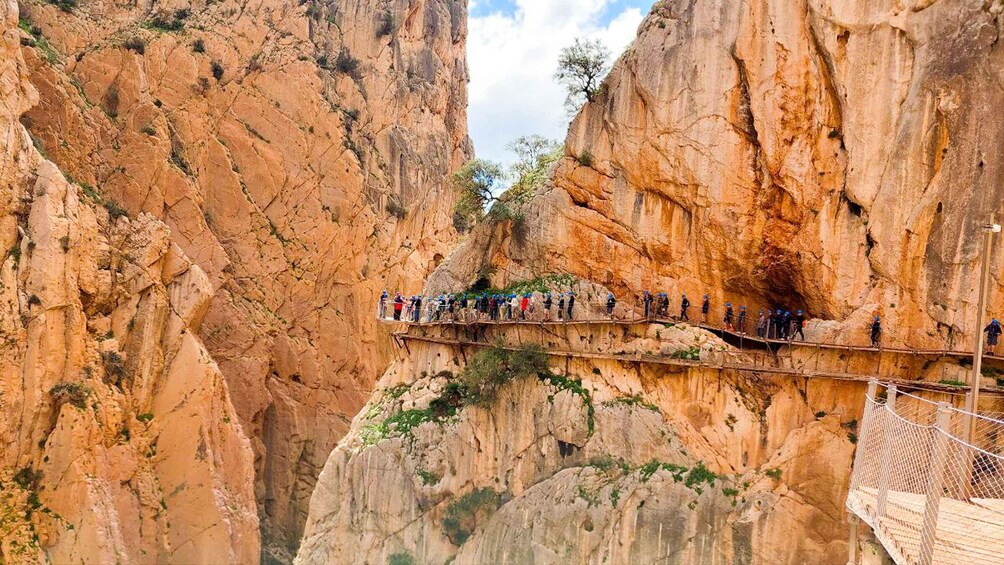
(968, 532)
(404, 337)
(732, 337)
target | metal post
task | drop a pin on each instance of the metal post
(888, 440)
(935, 483)
(973, 403)
(852, 549)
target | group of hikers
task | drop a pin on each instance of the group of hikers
(471, 307)
(771, 323)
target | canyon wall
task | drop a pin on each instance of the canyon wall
(595, 461)
(830, 156)
(118, 439)
(298, 154)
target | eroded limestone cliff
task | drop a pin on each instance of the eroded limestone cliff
(118, 439)
(598, 461)
(831, 156)
(299, 153)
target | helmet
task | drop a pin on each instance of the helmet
(742, 307)
(876, 317)
(799, 312)
(728, 304)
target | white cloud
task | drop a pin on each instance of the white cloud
(512, 59)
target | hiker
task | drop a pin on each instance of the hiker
(727, 321)
(664, 305)
(742, 320)
(451, 307)
(548, 301)
(647, 301)
(571, 304)
(993, 334)
(684, 305)
(611, 303)
(383, 304)
(798, 325)
(398, 306)
(418, 308)
(705, 308)
(512, 304)
(561, 306)
(786, 325)
(761, 325)
(524, 305)
(876, 330)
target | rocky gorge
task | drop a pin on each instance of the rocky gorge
(200, 201)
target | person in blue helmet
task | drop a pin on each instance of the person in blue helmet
(571, 304)
(729, 316)
(611, 303)
(383, 304)
(786, 325)
(705, 308)
(741, 320)
(663, 305)
(876, 330)
(561, 306)
(647, 301)
(798, 325)
(684, 306)
(548, 302)
(993, 331)
(761, 324)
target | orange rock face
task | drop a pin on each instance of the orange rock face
(118, 438)
(830, 156)
(298, 155)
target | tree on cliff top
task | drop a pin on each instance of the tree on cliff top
(581, 68)
(482, 184)
(479, 183)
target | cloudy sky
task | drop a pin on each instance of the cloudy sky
(512, 50)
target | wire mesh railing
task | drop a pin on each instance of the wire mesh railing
(929, 479)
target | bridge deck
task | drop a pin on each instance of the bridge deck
(958, 521)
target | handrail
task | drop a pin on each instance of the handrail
(667, 360)
(735, 335)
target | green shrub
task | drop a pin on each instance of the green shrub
(347, 64)
(397, 210)
(692, 354)
(162, 22)
(466, 513)
(585, 159)
(386, 26)
(114, 210)
(951, 382)
(27, 478)
(135, 44)
(492, 368)
(15, 252)
(114, 366)
(403, 558)
(145, 417)
(74, 393)
(217, 70)
(773, 473)
(64, 5)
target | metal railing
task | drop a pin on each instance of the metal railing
(931, 493)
